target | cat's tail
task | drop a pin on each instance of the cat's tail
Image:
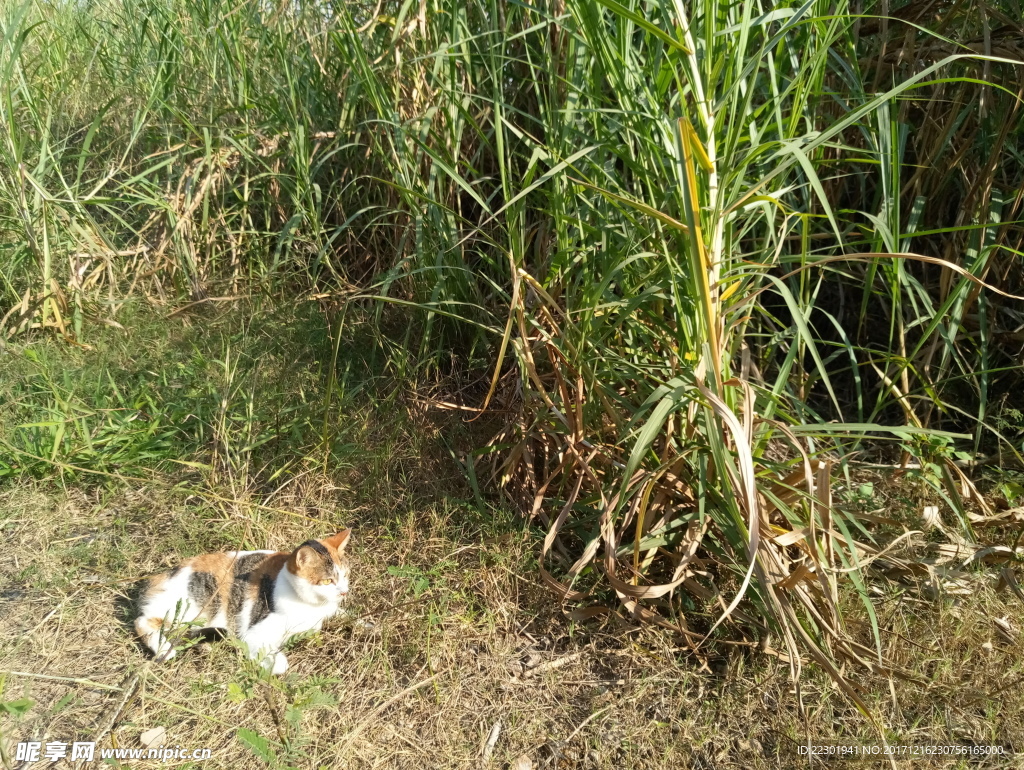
(151, 631)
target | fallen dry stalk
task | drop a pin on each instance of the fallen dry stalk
(130, 687)
(492, 740)
(565, 660)
(69, 679)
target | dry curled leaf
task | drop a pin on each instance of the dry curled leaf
(1005, 630)
(930, 518)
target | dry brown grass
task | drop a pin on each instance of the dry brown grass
(462, 639)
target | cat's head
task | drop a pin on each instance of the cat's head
(322, 565)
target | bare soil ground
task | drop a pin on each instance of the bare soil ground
(460, 639)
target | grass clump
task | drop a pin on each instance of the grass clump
(215, 392)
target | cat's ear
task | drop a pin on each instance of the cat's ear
(305, 557)
(340, 540)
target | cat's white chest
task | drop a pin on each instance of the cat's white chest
(300, 617)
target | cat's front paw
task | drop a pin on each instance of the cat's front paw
(276, 664)
(166, 655)
(163, 651)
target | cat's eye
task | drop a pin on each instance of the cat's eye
(326, 582)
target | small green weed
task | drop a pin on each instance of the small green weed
(291, 701)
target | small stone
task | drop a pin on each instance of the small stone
(530, 661)
(155, 737)
(523, 763)
(365, 626)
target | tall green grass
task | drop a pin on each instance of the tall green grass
(236, 403)
(706, 251)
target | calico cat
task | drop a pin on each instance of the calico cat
(264, 597)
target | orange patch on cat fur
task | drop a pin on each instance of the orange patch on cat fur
(307, 564)
(144, 626)
(221, 567)
(314, 560)
(217, 564)
(154, 584)
(268, 568)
